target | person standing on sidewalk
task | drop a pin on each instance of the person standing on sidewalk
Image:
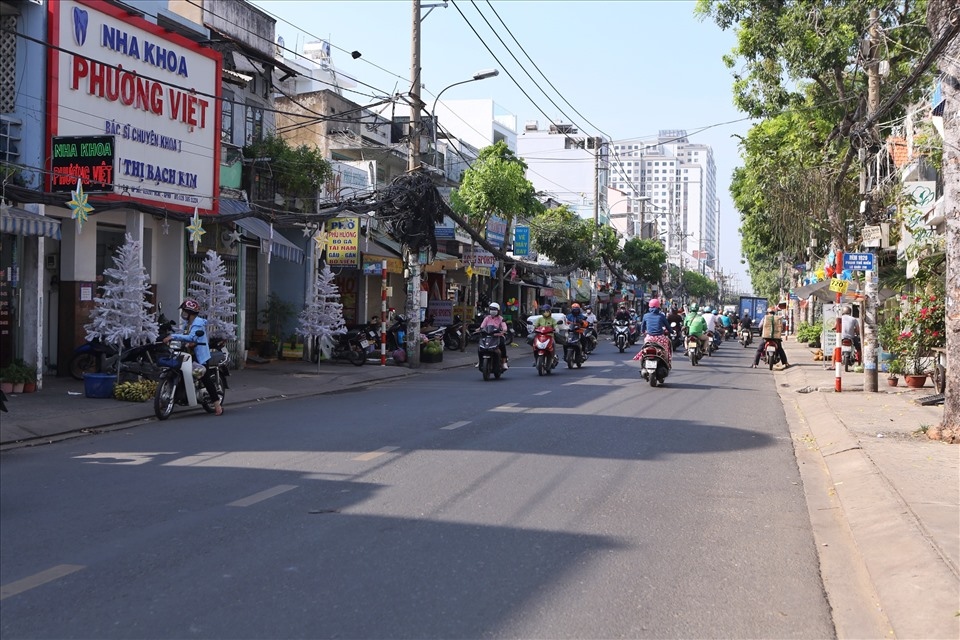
(770, 329)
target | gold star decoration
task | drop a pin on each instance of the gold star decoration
(79, 206)
(196, 229)
(321, 239)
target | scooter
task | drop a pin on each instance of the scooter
(180, 381)
(654, 364)
(694, 351)
(848, 355)
(573, 352)
(711, 343)
(590, 338)
(676, 335)
(621, 334)
(452, 333)
(350, 346)
(634, 334)
(544, 351)
(96, 356)
(770, 355)
(488, 351)
(746, 337)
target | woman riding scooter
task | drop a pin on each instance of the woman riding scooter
(195, 332)
(496, 320)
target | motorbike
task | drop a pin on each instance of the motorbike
(676, 335)
(573, 351)
(848, 355)
(452, 333)
(746, 337)
(590, 338)
(180, 380)
(397, 334)
(351, 346)
(488, 351)
(95, 356)
(634, 334)
(694, 350)
(711, 343)
(621, 334)
(770, 355)
(654, 364)
(543, 347)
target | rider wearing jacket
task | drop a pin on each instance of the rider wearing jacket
(545, 320)
(496, 320)
(654, 324)
(771, 329)
(195, 329)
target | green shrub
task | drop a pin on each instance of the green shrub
(807, 332)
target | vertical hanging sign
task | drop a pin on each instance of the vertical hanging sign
(343, 242)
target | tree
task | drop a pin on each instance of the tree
(644, 258)
(121, 315)
(212, 290)
(300, 172)
(322, 317)
(941, 16)
(495, 185)
(565, 238)
(699, 286)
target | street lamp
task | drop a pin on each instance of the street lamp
(479, 75)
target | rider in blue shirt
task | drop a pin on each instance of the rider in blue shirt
(195, 333)
(654, 324)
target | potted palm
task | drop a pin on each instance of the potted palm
(28, 373)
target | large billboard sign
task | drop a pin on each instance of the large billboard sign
(157, 93)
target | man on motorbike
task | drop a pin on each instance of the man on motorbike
(622, 313)
(674, 316)
(727, 326)
(697, 326)
(850, 329)
(194, 333)
(590, 316)
(654, 324)
(770, 329)
(746, 322)
(545, 320)
(496, 320)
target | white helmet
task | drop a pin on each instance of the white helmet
(494, 308)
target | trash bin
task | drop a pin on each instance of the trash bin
(99, 385)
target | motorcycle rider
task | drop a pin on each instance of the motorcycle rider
(654, 324)
(622, 313)
(746, 322)
(193, 325)
(545, 320)
(496, 320)
(675, 317)
(727, 326)
(711, 319)
(697, 327)
(850, 329)
(590, 316)
(770, 329)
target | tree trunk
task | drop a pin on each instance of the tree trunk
(938, 16)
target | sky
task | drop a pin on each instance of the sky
(627, 68)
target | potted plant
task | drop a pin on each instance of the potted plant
(15, 374)
(894, 370)
(923, 327)
(28, 373)
(275, 315)
(7, 376)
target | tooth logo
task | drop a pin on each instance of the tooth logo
(80, 19)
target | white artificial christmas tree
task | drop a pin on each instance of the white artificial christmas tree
(218, 303)
(322, 317)
(122, 314)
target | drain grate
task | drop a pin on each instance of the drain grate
(929, 401)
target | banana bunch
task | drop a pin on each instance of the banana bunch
(139, 391)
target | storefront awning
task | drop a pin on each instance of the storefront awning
(279, 246)
(26, 223)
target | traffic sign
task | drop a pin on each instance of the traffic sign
(858, 261)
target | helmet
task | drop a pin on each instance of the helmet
(190, 305)
(494, 308)
(693, 306)
(655, 303)
(575, 309)
(545, 310)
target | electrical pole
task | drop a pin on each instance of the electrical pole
(872, 281)
(596, 214)
(413, 258)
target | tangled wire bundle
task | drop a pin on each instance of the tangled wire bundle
(412, 207)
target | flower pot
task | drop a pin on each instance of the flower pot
(915, 381)
(893, 381)
(18, 387)
(6, 387)
(29, 387)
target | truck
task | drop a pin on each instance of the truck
(756, 308)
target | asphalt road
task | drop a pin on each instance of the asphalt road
(579, 505)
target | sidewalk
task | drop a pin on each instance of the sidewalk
(897, 493)
(883, 498)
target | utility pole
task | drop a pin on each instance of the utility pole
(596, 213)
(872, 281)
(413, 259)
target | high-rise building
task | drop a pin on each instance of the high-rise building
(677, 180)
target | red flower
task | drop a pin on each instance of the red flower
(933, 298)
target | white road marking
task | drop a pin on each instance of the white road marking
(543, 393)
(375, 454)
(263, 495)
(188, 461)
(510, 407)
(456, 425)
(38, 579)
(128, 458)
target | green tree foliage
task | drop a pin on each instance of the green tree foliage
(495, 185)
(565, 238)
(644, 258)
(300, 172)
(699, 286)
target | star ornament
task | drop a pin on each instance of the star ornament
(321, 240)
(196, 229)
(79, 206)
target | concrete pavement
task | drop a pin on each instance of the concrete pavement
(883, 498)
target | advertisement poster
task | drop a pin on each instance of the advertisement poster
(343, 242)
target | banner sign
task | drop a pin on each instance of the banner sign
(372, 265)
(521, 241)
(478, 257)
(858, 261)
(445, 230)
(496, 231)
(442, 312)
(89, 158)
(343, 242)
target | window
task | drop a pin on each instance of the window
(226, 117)
(254, 124)
(8, 63)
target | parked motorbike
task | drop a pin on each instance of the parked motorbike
(848, 355)
(621, 334)
(95, 356)
(397, 334)
(351, 346)
(488, 352)
(180, 380)
(694, 350)
(654, 364)
(573, 351)
(675, 332)
(543, 349)
(746, 337)
(452, 334)
(770, 355)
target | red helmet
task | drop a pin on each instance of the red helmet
(655, 303)
(575, 305)
(190, 305)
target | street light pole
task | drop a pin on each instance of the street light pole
(413, 164)
(479, 75)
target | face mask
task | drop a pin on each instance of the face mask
(493, 312)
